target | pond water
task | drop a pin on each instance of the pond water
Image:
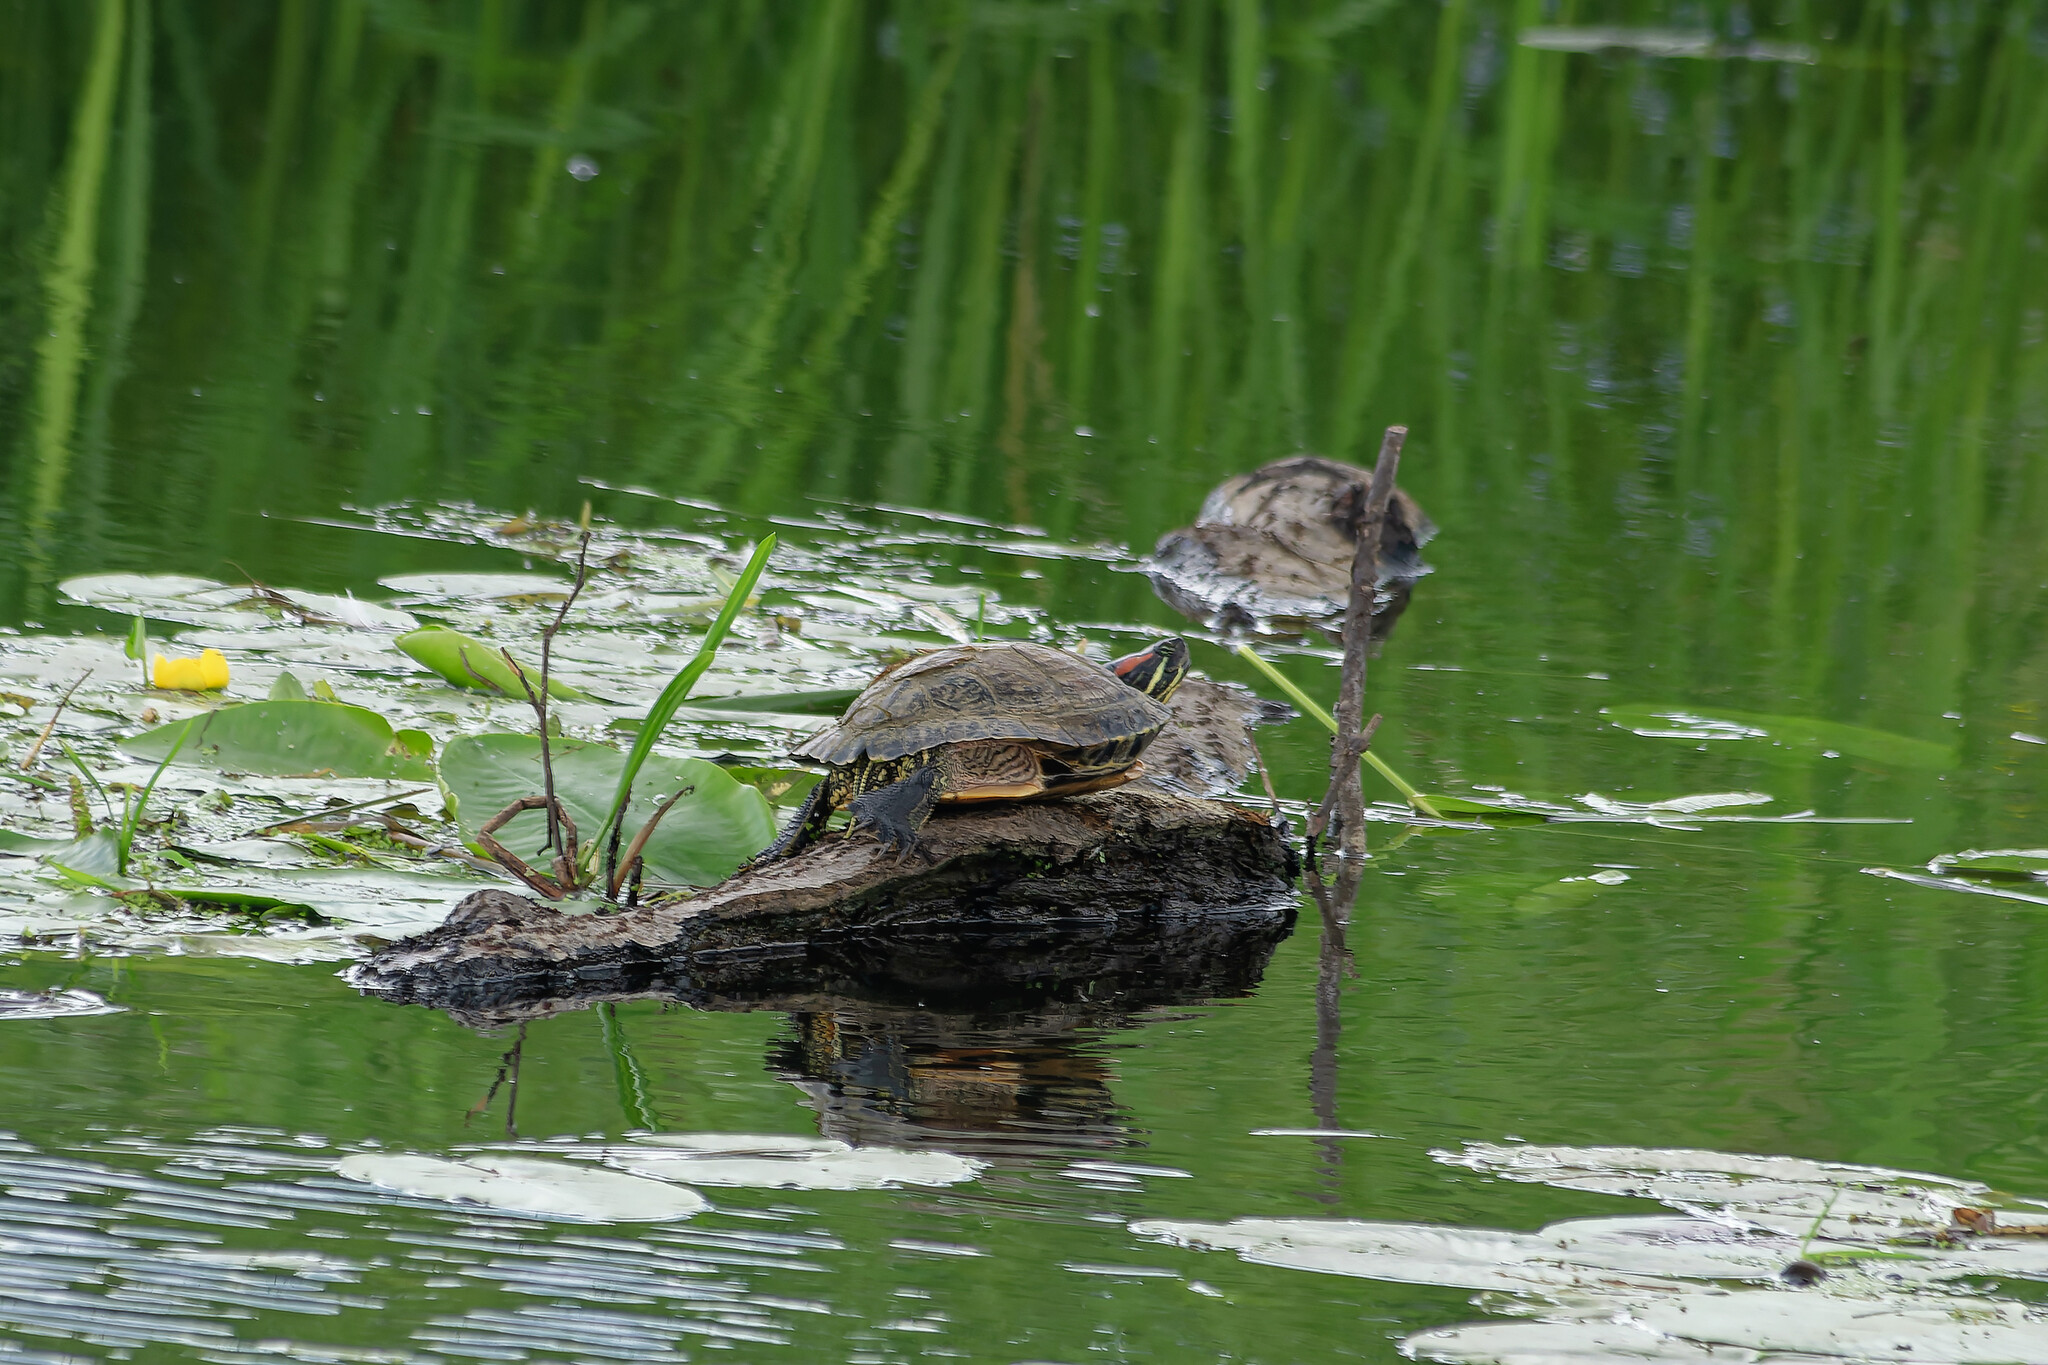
(1721, 348)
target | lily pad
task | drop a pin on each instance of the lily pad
(203, 601)
(55, 1003)
(287, 739)
(477, 664)
(472, 587)
(782, 786)
(708, 833)
(858, 1168)
(1707, 1284)
(1994, 865)
(1801, 734)
(548, 1189)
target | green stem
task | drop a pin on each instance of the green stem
(1307, 703)
(626, 1071)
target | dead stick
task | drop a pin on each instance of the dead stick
(44, 738)
(1365, 574)
(640, 842)
(1320, 821)
(547, 652)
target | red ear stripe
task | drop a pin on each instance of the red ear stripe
(1122, 667)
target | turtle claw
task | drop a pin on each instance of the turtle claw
(897, 812)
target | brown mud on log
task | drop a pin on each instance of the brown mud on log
(1048, 876)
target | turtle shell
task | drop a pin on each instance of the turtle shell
(1012, 691)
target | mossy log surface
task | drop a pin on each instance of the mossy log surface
(1054, 874)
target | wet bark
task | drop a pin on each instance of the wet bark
(1044, 876)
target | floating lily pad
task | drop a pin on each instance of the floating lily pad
(477, 664)
(1798, 733)
(203, 601)
(710, 832)
(858, 1168)
(1994, 865)
(55, 1003)
(548, 1189)
(1706, 1285)
(473, 587)
(286, 739)
(782, 786)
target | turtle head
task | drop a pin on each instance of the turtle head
(1155, 671)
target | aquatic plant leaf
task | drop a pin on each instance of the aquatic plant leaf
(1677, 805)
(548, 1189)
(782, 786)
(94, 859)
(287, 688)
(780, 1161)
(473, 587)
(1785, 1193)
(1459, 807)
(678, 690)
(710, 832)
(1671, 1288)
(1568, 893)
(1974, 886)
(1996, 865)
(55, 1003)
(203, 601)
(859, 1168)
(478, 665)
(1704, 1326)
(286, 739)
(829, 702)
(1800, 734)
(1401, 1253)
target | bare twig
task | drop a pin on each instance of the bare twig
(36, 749)
(640, 842)
(1350, 740)
(554, 888)
(1265, 774)
(1320, 821)
(547, 652)
(611, 851)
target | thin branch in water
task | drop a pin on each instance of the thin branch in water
(547, 653)
(1347, 748)
(1320, 821)
(44, 738)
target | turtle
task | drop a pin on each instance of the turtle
(1007, 721)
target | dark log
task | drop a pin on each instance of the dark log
(1046, 877)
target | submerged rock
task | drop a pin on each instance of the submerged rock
(1272, 550)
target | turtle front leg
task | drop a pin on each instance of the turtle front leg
(898, 811)
(804, 827)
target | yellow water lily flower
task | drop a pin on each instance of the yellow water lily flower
(207, 673)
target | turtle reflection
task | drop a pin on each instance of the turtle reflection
(975, 1048)
(902, 1077)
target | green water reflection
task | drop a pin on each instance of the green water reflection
(1727, 387)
